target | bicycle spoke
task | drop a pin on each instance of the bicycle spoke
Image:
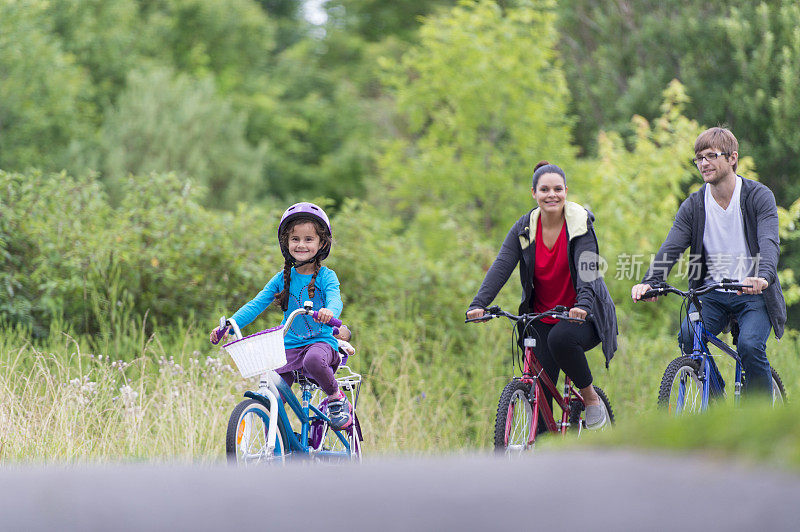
(518, 422)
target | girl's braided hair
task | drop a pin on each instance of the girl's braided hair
(282, 297)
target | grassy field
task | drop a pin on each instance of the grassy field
(167, 398)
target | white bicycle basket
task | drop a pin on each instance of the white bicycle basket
(259, 352)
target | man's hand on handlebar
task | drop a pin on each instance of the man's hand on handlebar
(638, 290)
(757, 285)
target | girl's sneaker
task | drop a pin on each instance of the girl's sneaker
(339, 412)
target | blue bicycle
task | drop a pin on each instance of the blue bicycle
(691, 381)
(260, 430)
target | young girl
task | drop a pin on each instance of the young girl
(305, 238)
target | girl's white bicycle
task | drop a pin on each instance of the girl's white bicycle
(259, 429)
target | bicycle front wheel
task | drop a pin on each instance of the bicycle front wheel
(681, 391)
(778, 391)
(246, 436)
(512, 427)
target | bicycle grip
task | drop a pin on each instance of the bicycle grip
(651, 293)
(223, 330)
(335, 322)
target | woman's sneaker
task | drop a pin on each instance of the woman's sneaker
(595, 416)
(339, 412)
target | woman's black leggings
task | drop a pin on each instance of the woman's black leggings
(563, 345)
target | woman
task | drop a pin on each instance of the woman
(556, 248)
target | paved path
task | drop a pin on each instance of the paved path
(603, 490)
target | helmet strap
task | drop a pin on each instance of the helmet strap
(303, 263)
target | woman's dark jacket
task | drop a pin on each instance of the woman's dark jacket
(584, 268)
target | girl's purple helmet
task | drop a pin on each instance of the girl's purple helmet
(312, 212)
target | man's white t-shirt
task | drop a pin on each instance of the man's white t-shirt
(725, 246)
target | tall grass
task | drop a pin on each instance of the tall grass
(167, 396)
(64, 403)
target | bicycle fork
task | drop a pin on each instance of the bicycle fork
(268, 389)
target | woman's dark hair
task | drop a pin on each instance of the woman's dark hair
(543, 167)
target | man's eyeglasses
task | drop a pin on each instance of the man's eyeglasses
(709, 157)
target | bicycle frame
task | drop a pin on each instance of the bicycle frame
(710, 376)
(534, 374)
(272, 385)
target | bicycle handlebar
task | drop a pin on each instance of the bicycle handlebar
(559, 312)
(664, 289)
(227, 324)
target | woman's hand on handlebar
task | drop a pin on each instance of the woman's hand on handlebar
(476, 314)
(323, 315)
(577, 313)
(638, 290)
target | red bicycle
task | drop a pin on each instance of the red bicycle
(523, 398)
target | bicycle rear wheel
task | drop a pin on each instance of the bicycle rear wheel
(512, 427)
(681, 391)
(327, 444)
(778, 391)
(246, 436)
(332, 449)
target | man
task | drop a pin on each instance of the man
(731, 225)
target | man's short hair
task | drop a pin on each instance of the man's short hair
(717, 138)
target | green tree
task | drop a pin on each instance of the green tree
(739, 62)
(481, 99)
(375, 20)
(231, 39)
(103, 36)
(44, 96)
(166, 123)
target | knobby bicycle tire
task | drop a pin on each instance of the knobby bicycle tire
(679, 367)
(514, 395)
(777, 383)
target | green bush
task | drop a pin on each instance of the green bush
(68, 254)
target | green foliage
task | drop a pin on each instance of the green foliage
(52, 229)
(164, 123)
(318, 141)
(103, 37)
(44, 95)
(230, 39)
(69, 256)
(739, 62)
(640, 188)
(375, 20)
(482, 97)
